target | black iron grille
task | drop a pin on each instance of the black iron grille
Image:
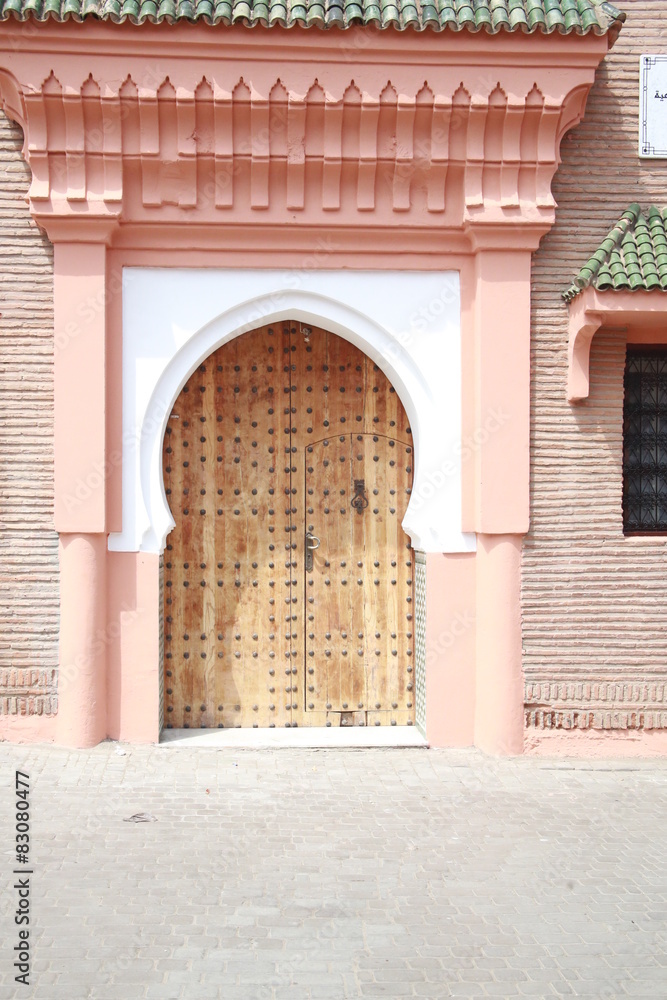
(645, 441)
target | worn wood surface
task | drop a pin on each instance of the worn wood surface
(278, 433)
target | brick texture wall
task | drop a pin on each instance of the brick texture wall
(594, 623)
(28, 543)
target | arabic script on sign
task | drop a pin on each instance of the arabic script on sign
(652, 110)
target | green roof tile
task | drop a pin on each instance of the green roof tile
(499, 14)
(491, 16)
(633, 255)
(604, 278)
(554, 15)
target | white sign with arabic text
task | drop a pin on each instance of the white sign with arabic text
(653, 107)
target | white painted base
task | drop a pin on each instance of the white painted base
(335, 737)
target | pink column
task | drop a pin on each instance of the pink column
(499, 681)
(500, 449)
(450, 649)
(500, 439)
(81, 719)
(80, 386)
(81, 479)
(135, 661)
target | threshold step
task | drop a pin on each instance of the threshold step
(315, 738)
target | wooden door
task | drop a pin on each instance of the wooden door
(281, 432)
(359, 643)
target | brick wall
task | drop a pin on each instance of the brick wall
(594, 623)
(28, 543)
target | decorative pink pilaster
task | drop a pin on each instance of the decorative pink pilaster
(81, 475)
(80, 386)
(81, 720)
(450, 649)
(135, 656)
(499, 439)
(499, 686)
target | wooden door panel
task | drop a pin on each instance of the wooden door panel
(227, 586)
(342, 398)
(380, 462)
(336, 647)
(359, 645)
(401, 717)
(251, 639)
(253, 481)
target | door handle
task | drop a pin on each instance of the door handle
(312, 543)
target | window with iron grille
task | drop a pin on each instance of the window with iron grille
(645, 441)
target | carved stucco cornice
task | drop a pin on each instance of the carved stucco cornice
(460, 144)
(622, 311)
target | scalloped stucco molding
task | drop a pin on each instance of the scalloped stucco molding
(432, 131)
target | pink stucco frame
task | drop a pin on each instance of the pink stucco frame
(640, 315)
(119, 177)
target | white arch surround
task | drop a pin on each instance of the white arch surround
(408, 323)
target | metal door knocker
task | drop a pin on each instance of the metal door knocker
(312, 543)
(359, 500)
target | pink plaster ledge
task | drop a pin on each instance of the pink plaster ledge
(596, 744)
(28, 728)
(592, 310)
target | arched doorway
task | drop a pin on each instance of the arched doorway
(288, 464)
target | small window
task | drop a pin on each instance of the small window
(645, 441)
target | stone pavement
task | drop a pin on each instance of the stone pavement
(302, 874)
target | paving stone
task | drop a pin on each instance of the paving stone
(467, 990)
(161, 992)
(502, 990)
(339, 875)
(393, 990)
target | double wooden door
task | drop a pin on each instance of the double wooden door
(288, 597)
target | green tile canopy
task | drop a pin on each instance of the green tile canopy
(632, 257)
(492, 16)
